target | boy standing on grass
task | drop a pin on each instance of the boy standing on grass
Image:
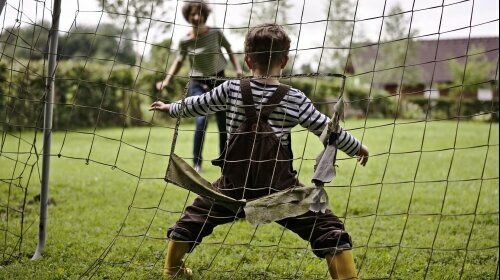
(203, 48)
(266, 54)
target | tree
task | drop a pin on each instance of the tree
(275, 11)
(306, 68)
(27, 42)
(339, 31)
(397, 50)
(477, 73)
(159, 53)
(98, 42)
(101, 42)
(138, 15)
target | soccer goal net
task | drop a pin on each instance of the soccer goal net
(419, 84)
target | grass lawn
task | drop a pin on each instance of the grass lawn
(425, 206)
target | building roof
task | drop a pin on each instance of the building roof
(430, 57)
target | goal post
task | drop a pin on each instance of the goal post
(47, 129)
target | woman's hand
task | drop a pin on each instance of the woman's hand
(162, 84)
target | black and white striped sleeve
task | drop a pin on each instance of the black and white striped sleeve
(310, 118)
(202, 105)
(348, 143)
(315, 121)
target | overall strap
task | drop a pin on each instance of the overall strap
(268, 108)
(246, 95)
(274, 101)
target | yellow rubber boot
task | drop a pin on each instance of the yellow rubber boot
(341, 266)
(174, 265)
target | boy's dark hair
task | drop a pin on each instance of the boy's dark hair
(267, 44)
(204, 9)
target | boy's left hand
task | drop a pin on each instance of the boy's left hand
(160, 106)
(363, 155)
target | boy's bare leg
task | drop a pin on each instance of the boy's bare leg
(174, 265)
(341, 266)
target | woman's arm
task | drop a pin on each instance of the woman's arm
(232, 57)
(235, 62)
(172, 71)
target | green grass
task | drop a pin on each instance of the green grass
(425, 205)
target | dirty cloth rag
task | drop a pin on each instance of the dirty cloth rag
(288, 203)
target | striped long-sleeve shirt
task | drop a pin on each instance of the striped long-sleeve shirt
(205, 52)
(295, 108)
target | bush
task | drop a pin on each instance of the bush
(103, 94)
(446, 107)
(321, 92)
(86, 95)
(22, 92)
(324, 94)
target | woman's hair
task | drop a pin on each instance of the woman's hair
(204, 9)
(267, 44)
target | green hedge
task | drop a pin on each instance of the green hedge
(447, 108)
(360, 101)
(86, 94)
(105, 94)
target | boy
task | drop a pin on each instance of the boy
(203, 48)
(266, 54)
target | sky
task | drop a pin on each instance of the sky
(451, 19)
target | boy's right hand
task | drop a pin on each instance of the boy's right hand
(160, 106)
(363, 155)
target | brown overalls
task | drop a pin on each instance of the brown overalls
(255, 164)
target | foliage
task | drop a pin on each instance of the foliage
(360, 101)
(478, 73)
(22, 93)
(138, 16)
(89, 95)
(102, 42)
(141, 10)
(28, 42)
(160, 59)
(339, 34)
(372, 103)
(396, 51)
(277, 10)
(160, 53)
(3, 88)
(411, 110)
(450, 107)
(97, 94)
(396, 25)
(262, 12)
